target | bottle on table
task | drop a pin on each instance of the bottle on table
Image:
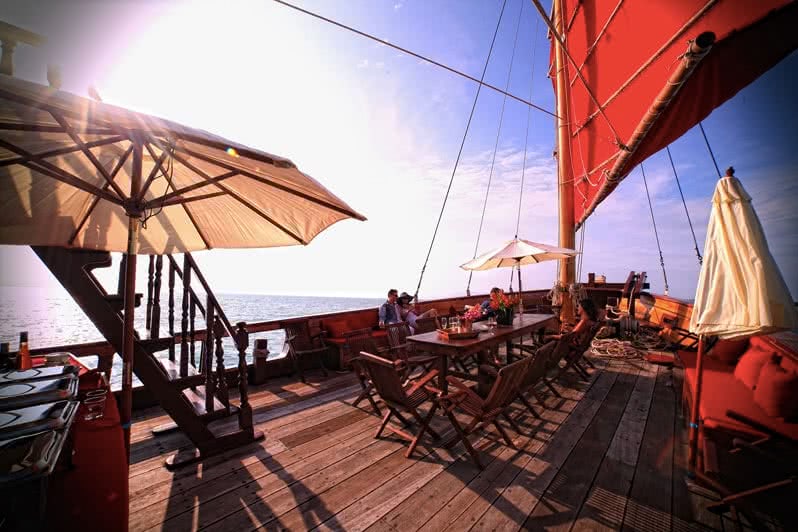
(23, 356)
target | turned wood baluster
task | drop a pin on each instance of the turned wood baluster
(207, 361)
(184, 321)
(221, 379)
(245, 410)
(155, 326)
(172, 309)
(150, 272)
(192, 333)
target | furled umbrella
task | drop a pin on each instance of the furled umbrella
(741, 291)
(84, 174)
(516, 253)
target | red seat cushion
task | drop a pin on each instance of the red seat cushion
(750, 364)
(777, 391)
(337, 328)
(729, 351)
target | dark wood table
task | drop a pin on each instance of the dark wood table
(486, 341)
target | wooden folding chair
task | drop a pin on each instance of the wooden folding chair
(484, 412)
(397, 340)
(576, 347)
(385, 375)
(303, 345)
(355, 342)
(425, 325)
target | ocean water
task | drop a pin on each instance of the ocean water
(55, 319)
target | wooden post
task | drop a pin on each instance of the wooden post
(133, 214)
(245, 410)
(207, 360)
(221, 379)
(695, 412)
(184, 320)
(192, 335)
(565, 172)
(171, 309)
(155, 326)
(150, 283)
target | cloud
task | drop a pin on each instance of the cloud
(397, 6)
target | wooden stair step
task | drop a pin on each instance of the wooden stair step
(117, 301)
(154, 345)
(172, 369)
(196, 396)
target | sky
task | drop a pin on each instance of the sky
(382, 130)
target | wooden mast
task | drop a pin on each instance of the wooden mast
(565, 174)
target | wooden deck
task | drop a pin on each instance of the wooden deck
(609, 454)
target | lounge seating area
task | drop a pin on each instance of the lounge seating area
(748, 434)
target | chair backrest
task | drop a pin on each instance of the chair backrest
(580, 343)
(507, 385)
(300, 331)
(359, 340)
(385, 377)
(425, 325)
(535, 371)
(397, 334)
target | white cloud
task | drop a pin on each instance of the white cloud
(397, 6)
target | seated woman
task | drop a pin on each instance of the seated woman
(410, 313)
(588, 316)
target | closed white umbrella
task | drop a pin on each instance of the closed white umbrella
(741, 291)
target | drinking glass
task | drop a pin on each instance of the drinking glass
(454, 322)
(95, 407)
(444, 322)
(492, 324)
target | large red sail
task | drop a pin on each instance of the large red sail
(627, 52)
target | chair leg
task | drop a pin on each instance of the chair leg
(462, 435)
(323, 367)
(539, 398)
(548, 384)
(504, 434)
(403, 419)
(373, 403)
(424, 428)
(298, 369)
(512, 423)
(588, 362)
(528, 405)
(384, 422)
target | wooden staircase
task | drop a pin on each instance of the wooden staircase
(191, 382)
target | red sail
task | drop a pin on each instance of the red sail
(627, 52)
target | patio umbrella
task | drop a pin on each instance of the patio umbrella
(79, 173)
(516, 253)
(740, 290)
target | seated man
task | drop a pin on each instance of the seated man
(390, 311)
(487, 311)
(410, 313)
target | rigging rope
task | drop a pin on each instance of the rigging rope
(480, 82)
(495, 146)
(704, 133)
(460, 152)
(695, 241)
(656, 234)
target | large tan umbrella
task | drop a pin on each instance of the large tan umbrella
(79, 173)
(741, 291)
(516, 253)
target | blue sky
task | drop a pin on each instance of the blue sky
(382, 130)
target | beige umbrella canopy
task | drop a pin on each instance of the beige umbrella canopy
(65, 180)
(79, 173)
(740, 289)
(516, 253)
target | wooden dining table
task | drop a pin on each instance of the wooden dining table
(482, 345)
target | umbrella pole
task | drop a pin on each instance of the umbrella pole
(520, 294)
(695, 413)
(129, 331)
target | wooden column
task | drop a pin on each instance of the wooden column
(565, 171)
(172, 309)
(184, 320)
(150, 284)
(221, 380)
(207, 361)
(245, 410)
(155, 326)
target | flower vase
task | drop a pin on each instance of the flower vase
(504, 316)
(467, 326)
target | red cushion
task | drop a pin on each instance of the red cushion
(789, 364)
(729, 351)
(750, 364)
(337, 328)
(777, 391)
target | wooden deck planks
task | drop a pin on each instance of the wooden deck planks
(512, 506)
(606, 503)
(562, 500)
(606, 454)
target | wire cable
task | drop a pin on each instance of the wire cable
(711, 154)
(480, 81)
(656, 234)
(459, 153)
(695, 241)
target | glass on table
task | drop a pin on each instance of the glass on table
(444, 322)
(95, 407)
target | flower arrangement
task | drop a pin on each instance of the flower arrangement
(474, 313)
(501, 301)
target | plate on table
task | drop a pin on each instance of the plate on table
(38, 418)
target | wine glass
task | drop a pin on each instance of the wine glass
(492, 324)
(444, 322)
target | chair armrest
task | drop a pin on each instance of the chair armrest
(311, 351)
(423, 381)
(462, 387)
